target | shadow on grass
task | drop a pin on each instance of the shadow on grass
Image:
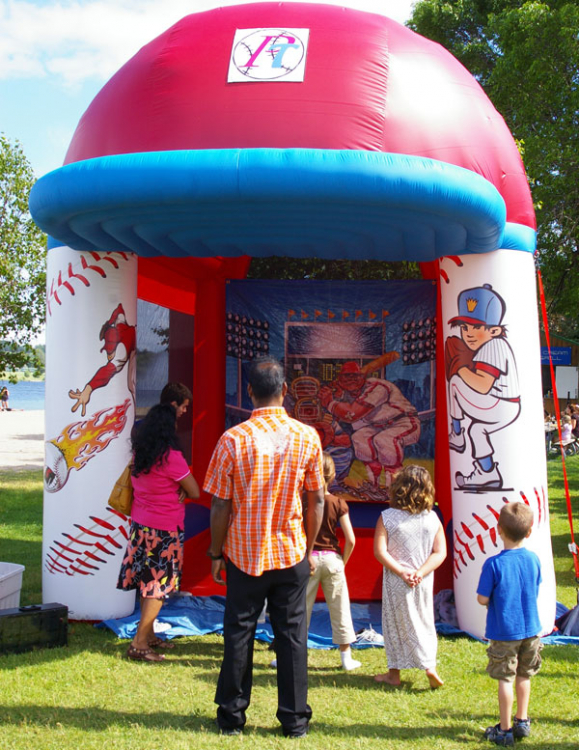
(100, 720)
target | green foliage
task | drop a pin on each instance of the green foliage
(162, 333)
(333, 270)
(22, 263)
(526, 56)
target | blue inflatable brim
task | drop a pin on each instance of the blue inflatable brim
(262, 202)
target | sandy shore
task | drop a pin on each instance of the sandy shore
(21, 440)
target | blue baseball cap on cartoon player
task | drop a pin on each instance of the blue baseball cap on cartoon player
(480, 306)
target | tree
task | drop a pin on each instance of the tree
(22, 263)
(278, 267)
(526, 57)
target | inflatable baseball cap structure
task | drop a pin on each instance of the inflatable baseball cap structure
(298, 130)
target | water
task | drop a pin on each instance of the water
(27, 395)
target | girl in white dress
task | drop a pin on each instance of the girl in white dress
(409, 542)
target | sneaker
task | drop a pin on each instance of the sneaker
(273, 663)
(479, 479)
(500, 736)
(521, 728)
(369, 637)
(457, 442)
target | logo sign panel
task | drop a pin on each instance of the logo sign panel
(561, 355)
(268, 55)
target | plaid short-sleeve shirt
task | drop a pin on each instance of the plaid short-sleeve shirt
(262, 466)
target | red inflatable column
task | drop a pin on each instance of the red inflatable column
(209, 373)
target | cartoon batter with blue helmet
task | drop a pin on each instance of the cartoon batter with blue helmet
(483, 384)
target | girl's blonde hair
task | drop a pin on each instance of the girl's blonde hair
(329, 469)
(567, 419)
(412, 490)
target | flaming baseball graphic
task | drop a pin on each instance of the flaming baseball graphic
(79, 442)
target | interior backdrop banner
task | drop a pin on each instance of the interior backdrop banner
(360, 366)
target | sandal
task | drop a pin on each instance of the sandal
(143, 654)
(157, 642)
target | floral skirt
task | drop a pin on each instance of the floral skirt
(153, 561)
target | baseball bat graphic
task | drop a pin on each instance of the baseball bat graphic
(379, 362)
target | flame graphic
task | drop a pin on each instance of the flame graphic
(80, 441)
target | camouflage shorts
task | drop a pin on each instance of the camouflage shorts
(510, 659)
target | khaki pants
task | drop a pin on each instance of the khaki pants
(330, 574)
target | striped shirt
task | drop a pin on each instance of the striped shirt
(496, 357)
(262, 465)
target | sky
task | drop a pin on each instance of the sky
(55, 56)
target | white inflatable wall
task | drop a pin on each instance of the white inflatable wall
(500, 431)
(90, 410)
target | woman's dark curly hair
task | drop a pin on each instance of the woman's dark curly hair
(153, 437)
(412, 490)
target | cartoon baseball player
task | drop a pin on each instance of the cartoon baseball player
(483, 384)
(382, 420)
(120, 342)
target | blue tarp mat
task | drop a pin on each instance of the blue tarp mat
(192, 615)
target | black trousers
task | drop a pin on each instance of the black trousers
(285, 591)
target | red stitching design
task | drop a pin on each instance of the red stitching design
(482, 522)
(466, 530)
(103, 523)
(538, 506)
(77, 570)
(96, 266)
(97, 542)
(61, 554)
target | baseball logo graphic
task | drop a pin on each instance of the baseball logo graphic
(268, 55)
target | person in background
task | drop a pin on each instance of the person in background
(4, 399)
(409, 542)
(509, 587)
(329, 568)
(154, 556)
(178, 396)
(566, 428)
(575, 420)
(256, 476)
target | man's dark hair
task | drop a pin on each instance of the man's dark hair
(176, 392)
(266, 378)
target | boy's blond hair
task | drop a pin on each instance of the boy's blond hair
(412, 490)
(516, 520)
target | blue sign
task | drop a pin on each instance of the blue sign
(561, 355)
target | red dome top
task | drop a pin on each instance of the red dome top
(370, 84)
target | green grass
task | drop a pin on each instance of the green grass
(88, 696)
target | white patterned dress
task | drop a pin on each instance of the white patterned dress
(408, 613)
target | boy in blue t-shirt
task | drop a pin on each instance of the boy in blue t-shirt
(508, 586)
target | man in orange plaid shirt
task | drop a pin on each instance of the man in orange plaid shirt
(257, 474)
